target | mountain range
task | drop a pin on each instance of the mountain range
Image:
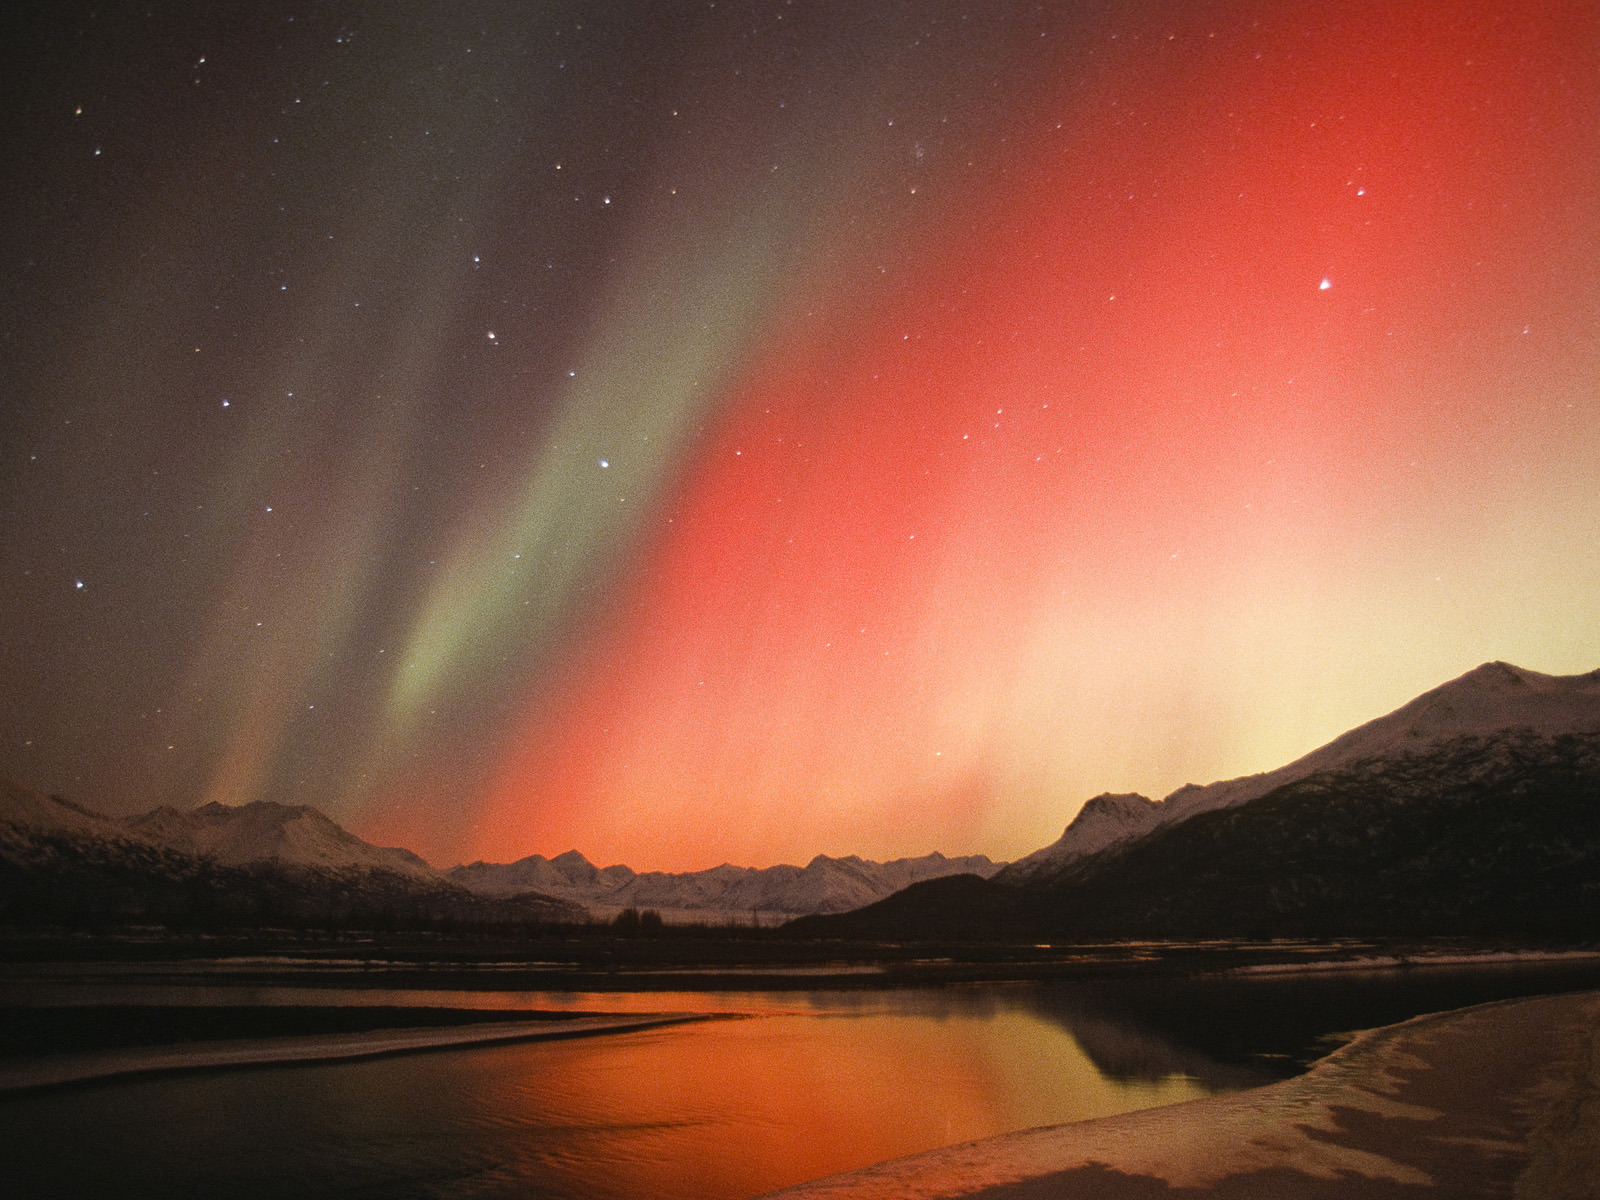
(254, 864)
(824, 885)
(1475, 808)
(265, 861)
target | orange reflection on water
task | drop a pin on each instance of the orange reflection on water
(733, 1108)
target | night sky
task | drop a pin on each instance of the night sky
(698, 432)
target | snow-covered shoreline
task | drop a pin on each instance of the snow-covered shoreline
(1389, 962)
(1473, 1102)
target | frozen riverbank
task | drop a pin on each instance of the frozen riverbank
(1477, 1102)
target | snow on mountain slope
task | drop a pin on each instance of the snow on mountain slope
(247, 835)
(27, 816)
(265, 832)
(568, 874)
(1491, 699)
(62, 863)
(1103, 821)
(823, 885)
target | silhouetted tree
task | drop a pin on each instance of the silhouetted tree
(630, 922)
(627, 922)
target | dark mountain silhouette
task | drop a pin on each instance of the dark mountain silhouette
(249, 866)
(1487, 700)
(1473, 810)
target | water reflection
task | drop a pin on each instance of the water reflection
(807, 1084)
(812, 1084)
(1210, 1026)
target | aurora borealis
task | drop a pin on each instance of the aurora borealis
(734, 432)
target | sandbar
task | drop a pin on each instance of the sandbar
(58, 1069)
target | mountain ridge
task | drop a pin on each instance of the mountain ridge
(269, 846)
(266, 831)
(825, 884)
(247, 865)
(1492, 697)
(1433, 775)
(1473, 810)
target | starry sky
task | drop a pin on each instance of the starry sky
(696, 432)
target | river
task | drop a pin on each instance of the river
(783, 1087)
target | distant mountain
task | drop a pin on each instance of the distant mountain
(1475, 809)
(824, 885)
(263, 862)
(255, 864)
(264, 832)
(29, 818)
(570, 874)
(1486, 701)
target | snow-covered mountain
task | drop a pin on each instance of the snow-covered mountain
(53, 847)
(824, 885)
(265, 832)
(61, 862)
(570, 874)
(26, 816)
(1493, 699)
(1478, 835)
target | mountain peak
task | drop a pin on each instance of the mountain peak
(1103, 821)
(1488, 698)
(1503, 675)
(1492, 699)
(24, 810)
(1498, 676)
(825, 884)
(265, 831)
(1117, 801)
